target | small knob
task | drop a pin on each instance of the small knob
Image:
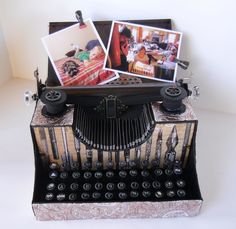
(29, 97)
(196, 92)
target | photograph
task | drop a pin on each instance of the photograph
(143, 51)
(78, 55)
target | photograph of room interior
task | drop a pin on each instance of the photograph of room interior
(77, 55)
(143, 51)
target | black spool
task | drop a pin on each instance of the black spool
(172, 99)
(55, 102)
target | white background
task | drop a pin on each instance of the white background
(208, 28)
(209, 33)
(5, 67)
(215, 166)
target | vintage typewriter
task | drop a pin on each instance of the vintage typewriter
(121, 150)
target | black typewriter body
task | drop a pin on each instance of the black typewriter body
(114, 151)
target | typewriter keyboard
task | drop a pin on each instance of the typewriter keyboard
(115, 185)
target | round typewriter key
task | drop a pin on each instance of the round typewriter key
(53, 165)
(159, 194)
(134, 185)
(98, 186)
(122, 164)
(61, 187)
(49, 196)
(168, 172)
(63, 175)
(177, 163)
(72, 196)
(108, 195)
(63, 166)
(74, 186)
(178, 171)
(98, 165)
(53, 174)
(133, 173)
(98, 175)
(96, 195)
(170, 193)
(122, 195)
(87, 165)
(146, 185)
(169, 184)
(156, 184)
(109, 174)
(61, 197)
(145, 173)
(154, 163)
(181, 193)
(158, 172)
(132, 164)
(51, 186)
(87, 175)
(109, 164)
(86, 186)
(145, 163)
(122, 173)
(180, 183)
(134, 194)
(75, 166)
(146, 194)
(110, 186)
(76, 175)
(85, 196)
(121, 185)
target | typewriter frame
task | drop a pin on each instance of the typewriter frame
(119, 209)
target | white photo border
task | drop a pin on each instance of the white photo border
(143, 26)
(89, 20)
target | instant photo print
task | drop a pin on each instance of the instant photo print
(126, 149)
(77, 55)
(143, 51)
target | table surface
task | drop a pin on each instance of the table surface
(216, 158)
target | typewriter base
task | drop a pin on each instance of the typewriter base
(152, 207)
(73, 211)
